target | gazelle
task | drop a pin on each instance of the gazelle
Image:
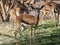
(49, 7)
(27, 19)
(57, 10)
(53, 8)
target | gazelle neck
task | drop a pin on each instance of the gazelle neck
(36, 16)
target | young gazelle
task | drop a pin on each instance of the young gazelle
(49, 7)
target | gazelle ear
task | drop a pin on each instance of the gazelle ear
(32, 6)
(41, 7)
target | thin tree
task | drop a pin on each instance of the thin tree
(3, 10)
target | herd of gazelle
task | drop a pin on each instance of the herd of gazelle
(17, 10)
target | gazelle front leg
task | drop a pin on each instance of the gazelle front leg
(53, 16)
(19, 26)
(30, 34)
(42, 16)
(17, 29)
(15, 34)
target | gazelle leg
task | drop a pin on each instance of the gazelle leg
(30, 35)
(19, 27)
(42, 16)
(19, 30)
(58, 20)
(13, 23)
(54, 18)
(34, 33)
(15, 33)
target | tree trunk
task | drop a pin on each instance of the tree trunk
(3, 10)
(2, 18)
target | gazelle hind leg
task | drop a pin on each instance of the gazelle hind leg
(15, 34)
(53, 18)
(41, 17)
